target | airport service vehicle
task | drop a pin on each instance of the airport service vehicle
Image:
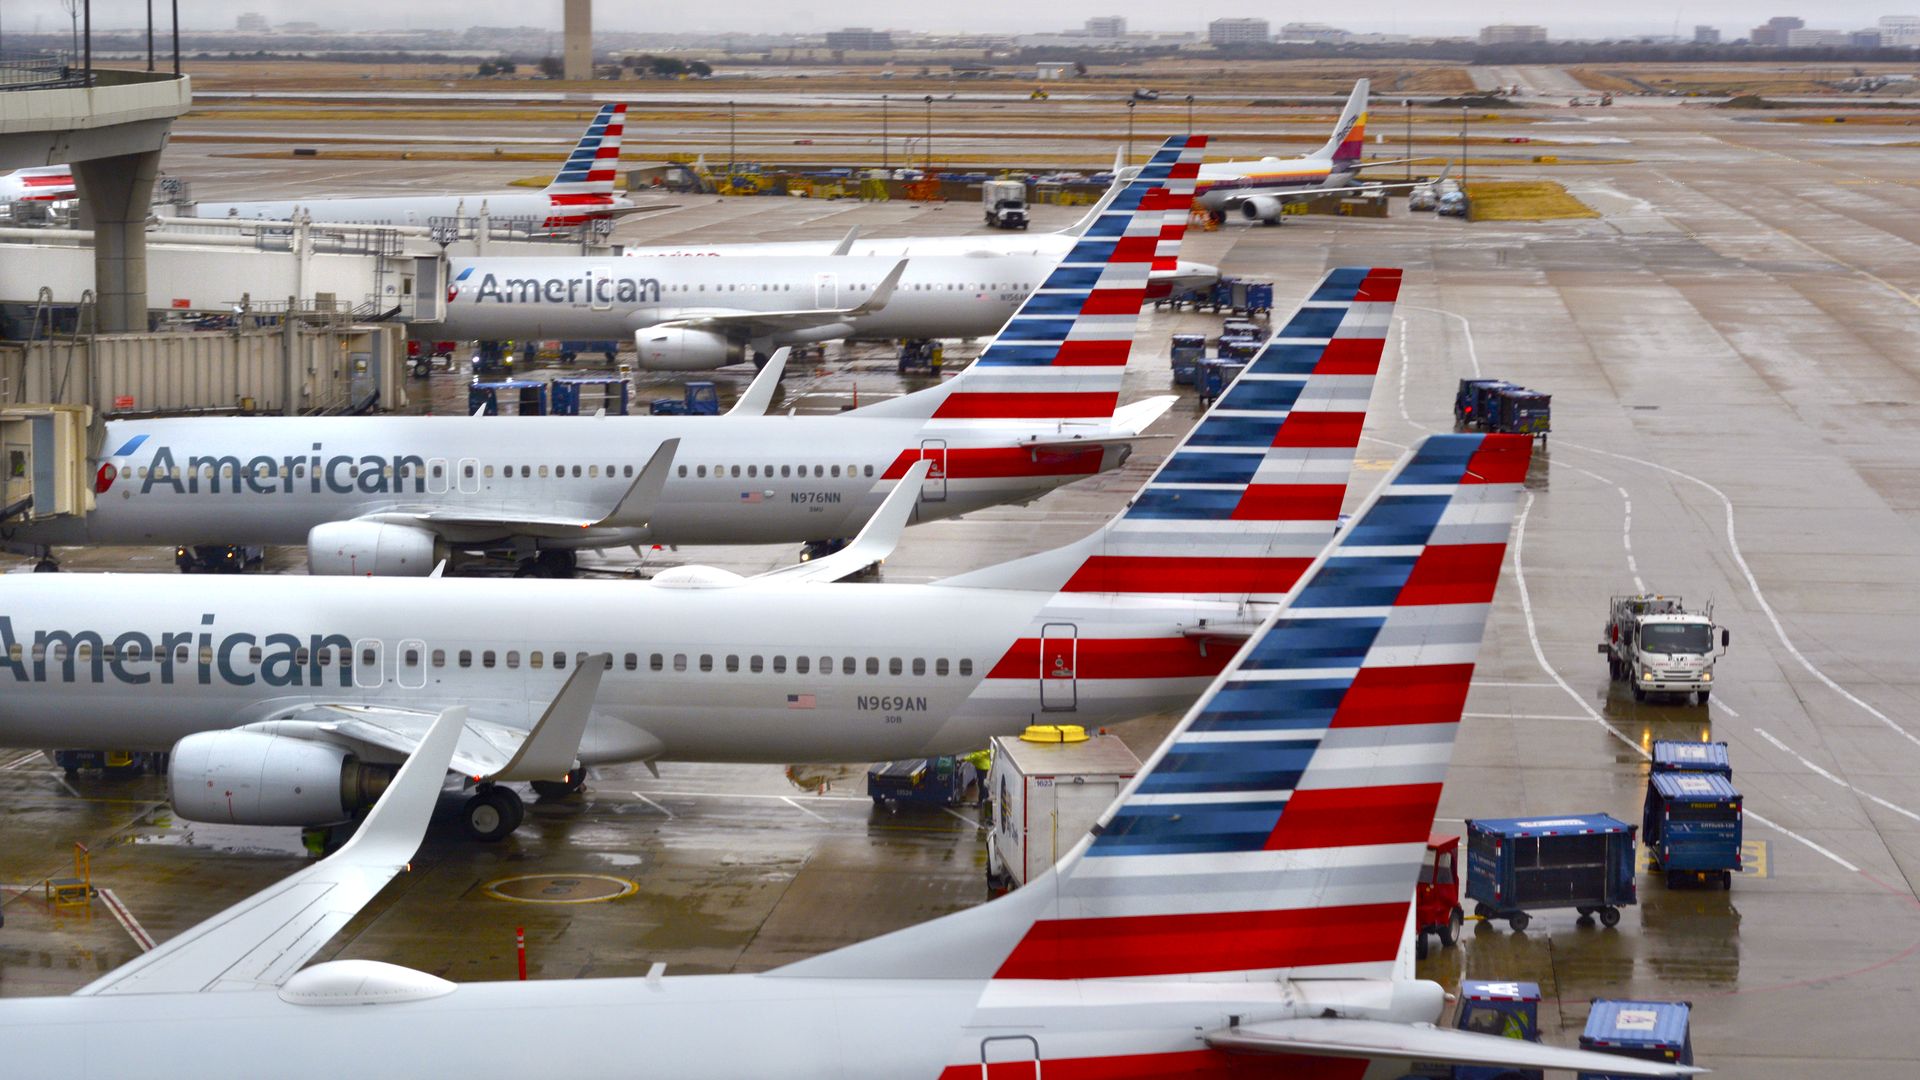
(1651, 1031)
(1452, 203)
(1691, 824)
(1582, 861)
(1047, 788)
(1426, 196)
(50, 183)
(1178, 940)
(1473, 401)
(264, 685)
(1260, 191)
(396, 494)
(607, 395)
(581, 191)
(1436, 896)
(1004, 203)
(507, 397)
(1507, 1010)
(1673, 755)
(699, 397)
(1659, 647)
(935, 781)
(1519, 411)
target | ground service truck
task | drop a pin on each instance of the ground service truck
(1005, 203)
(1659, 647)
(1045, 790)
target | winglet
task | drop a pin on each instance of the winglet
(882, 292)
(876, 541)
(635, 509)
(759, 392)
(550, 748)
(846, 245)
(262, 940)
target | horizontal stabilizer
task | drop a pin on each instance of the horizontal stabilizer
(876, 540)
(1334, 1037)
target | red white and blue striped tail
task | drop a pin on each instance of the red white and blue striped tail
(590, 169)
(1253, 493)
(1063, 354)
(1279, 830)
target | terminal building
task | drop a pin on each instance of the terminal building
(1229, 32)
(1513, 34)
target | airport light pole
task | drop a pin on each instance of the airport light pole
(1463, 159)
(1408, 104)
(1189, 115)
(883, 137)
(732, 131)
(929, 169)
(1130, 105)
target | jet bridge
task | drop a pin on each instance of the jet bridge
(43, 462)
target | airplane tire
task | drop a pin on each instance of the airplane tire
(491, 814)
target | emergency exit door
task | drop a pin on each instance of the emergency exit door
(1010, 1057)
(1059, 667)
(826, 291)
(934, 487)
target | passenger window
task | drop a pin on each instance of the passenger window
(513, 660)
(543, 472)
(800, 664)
(486, 658)
(893, 666)
(527, 470)
(786, 470)
(869, 470)
(683, 470)
(873, 665)
(300, 656)
(702, 472)
(756, 665)
(966, 667)
(576, 472)
(753, 471)
(849, 666)
(836, 470)
(628, 471)
(466, 472)
(679, 661)
(706, 661)
(819, 471)
(919, 666)
(655, 662)
(410, 658)
(592, 471)
(733, 663)
(633, 662)
(559, 659)
(487, 472)
(536, 660)
(940, 667)
(466, 657)
(736, 471)
(779, 665)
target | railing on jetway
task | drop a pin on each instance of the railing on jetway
(39, 71)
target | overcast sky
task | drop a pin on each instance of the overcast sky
(1618, 17)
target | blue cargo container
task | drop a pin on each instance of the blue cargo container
(1187, 352)
(1519, 411)
(1581, 861)
(527, 397)
(1468, 403)
(1673, 756)
(1216, 376)
(571, 397)
(1691, 823)
(1643, 1030)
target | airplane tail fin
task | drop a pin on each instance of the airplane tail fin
(590, 169)
(1253, 492)
(1349, 138)
(1063, 353)
(1280, 828)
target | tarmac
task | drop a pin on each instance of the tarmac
(1730, 350)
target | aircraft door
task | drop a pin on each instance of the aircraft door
(600, 288)
(1010, 1057)
(934, 488)
(469, 475)
(410, 664)
(826, 290)
(368, 672)
(1059, 662)
(437, 476)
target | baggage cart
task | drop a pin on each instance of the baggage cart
(1471, 400)
(1581, 861)
(1186, 353)
(510, 397)
(1519, 411)
(1670, 755)
(1216, 376)
(1691, 823)
(937, 781)
(1644, 1030)
(574, 396)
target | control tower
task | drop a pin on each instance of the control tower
(577, 56)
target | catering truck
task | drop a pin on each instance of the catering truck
(1045, 790)
(1005, 203)
(1659, 647)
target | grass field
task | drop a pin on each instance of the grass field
(1524, 200)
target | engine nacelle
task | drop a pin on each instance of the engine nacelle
(674, 349)
(1262, 208)
(252, 778)
(372, 548)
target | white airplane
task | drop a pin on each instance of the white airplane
(392, 495)
(1246, 897)
(1260, 190)
(53, 183)
(264, 685)
(582, 191)
(1169, 274)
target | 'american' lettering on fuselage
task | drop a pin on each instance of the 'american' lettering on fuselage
(343, 474)
(134, 658)
(573, 289)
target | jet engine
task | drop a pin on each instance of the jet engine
(674, 349)
(372, 548)
(1262, 208)
(252, 778)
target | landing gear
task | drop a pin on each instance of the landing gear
(492, 813)
(820, 549)
(46, 565)
(560, 789)
(549, 563)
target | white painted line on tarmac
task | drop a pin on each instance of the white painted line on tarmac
(963, 818)
(802, 809)
(653, 804)
(1473, 354)
(1818, 771)
(747, 795)
(1513, 685)
(125, 918)
(1522, 716)
(1540, 656)
(1715, 702)
(1753, 586)
(21, 762)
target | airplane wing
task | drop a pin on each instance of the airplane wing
(1336, 1037)
(634, 510)
(260, 942)
(1232, 202)
(641, 208)
(846, 243)
(483, 750)
(877, 538)
(744, 323)
(759, 392)
(1129, 424)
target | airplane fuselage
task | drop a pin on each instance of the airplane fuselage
(547, 211)
(1227, 181)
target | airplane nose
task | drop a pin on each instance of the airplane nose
(1194, 275)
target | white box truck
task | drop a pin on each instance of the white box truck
(1045, 790)
(1005, 203)
(1660, 647)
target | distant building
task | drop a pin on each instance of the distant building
(1106, 26)
(1900, 30)
(1050, 71)
(1775, 31)
(859, 39)
(299, 27)
(1868, 38)
(253, 23)
(1706, 35)
(1238, 32)
(1811, 38)
(1313, 33)
(1513, 34)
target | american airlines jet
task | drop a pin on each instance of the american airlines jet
(53, 183)
(580, 192)
(393, 495)
(1241, 909)
(1259, 190)
(265, 687)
